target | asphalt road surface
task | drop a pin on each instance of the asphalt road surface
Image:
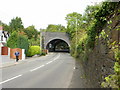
(51, 71)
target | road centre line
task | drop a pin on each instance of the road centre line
(37, 68)
(46, 63)
(56, 57)
(49, 62)
(10, 79)
(53, 59)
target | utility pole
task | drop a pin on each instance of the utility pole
(76, 36)
(40, 41)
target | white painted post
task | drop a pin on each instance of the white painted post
(0, 39)
(0, 50)
(9, 52)
(23, 54)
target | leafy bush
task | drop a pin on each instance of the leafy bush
(112, 81)
(43, 53)
(33, 50)
(12, 41)
(23, 43)
(18, 41)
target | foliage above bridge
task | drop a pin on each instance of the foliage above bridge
(54, 28)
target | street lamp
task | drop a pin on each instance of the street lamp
(76, 36)
(40, 41)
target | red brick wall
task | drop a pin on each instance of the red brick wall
(12, 53)
(45, 51)
(4, 51)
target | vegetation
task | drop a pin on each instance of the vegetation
(85, 30)
(31, 32)
(34, 50)
(54, 28)
(15, 25)
(74, 22)
(43, 53)
(90, 24)
(17, 40)
(21, 37)
(33, 35)
(112, 80)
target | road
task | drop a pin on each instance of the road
(52, 71)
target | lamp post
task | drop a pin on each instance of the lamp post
(76, 36)
(40, 41)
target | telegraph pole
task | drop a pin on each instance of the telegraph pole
(76, 37)
(40, 41)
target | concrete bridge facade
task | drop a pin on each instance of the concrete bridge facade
(54, 37)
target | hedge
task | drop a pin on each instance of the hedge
(33, 50)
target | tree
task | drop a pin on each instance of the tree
(16, 24)
(91, 11)
(89, 15)
(55, 28)
(51, 28)
(12, 41)
(6, 27)
(73, 19)
(61, 28)
(31, 32)
(33, 35)
(16, 40)
(73, 23)
(23, 42)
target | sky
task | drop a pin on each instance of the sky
(41, 13)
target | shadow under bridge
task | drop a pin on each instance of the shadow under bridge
(57, 45)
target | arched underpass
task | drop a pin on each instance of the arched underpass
(57, 45)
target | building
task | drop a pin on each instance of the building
(4, 35)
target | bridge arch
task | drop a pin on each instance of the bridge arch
(60, 39)
(55, 38)
(58, 45)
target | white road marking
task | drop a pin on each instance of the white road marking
(37, 68)
(53, 59)
(10, 79)
(46, 63)
(49, 62)
(74, 67)
(56, 57)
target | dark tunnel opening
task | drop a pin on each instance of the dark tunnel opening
(58, 45)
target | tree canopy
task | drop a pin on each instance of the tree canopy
(74, 22)
(31, 32)
(16, 25)
(55, 28)
(16, 40)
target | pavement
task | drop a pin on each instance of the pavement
(79, 78)
(52, 71)
(6, 61)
